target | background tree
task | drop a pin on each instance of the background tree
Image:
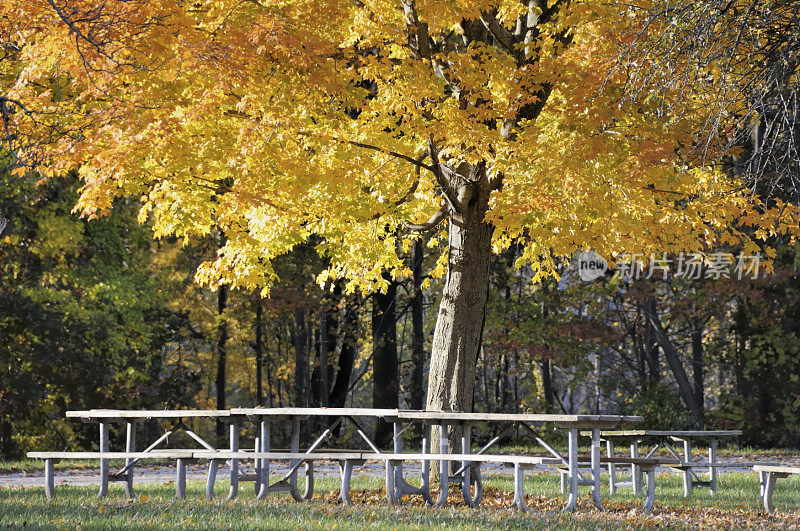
(351, 122)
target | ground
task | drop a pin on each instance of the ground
(736, 505)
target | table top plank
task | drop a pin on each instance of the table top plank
(155, 454)
(669, 433)
(517, 417)
(314, 411)
(98, 414)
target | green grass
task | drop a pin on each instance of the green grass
(736, 505)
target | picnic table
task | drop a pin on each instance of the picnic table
(469, 472)
(681, 459)
(104, 417)
(264, 417)
(574, 467)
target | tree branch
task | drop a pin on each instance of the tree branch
(449, 193)
(431, 224)
(412, 160)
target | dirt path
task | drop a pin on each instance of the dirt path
(198, 471)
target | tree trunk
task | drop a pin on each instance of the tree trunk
(347, 356)
(222, 353)
(547, 384)
(697, 360)
(300, 357)
(327, 341)
(259, 350)
(459, 326)
(674, 361)
(417, 330)
(651, 353)
(385, 388)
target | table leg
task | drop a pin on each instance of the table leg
(712, 469)
(257, 466)
(572, 465)
(103, 462)
(263, 472)
(636, 471)
(130, 446)
(391, 491)
(425, 480)
(397, 440)
(212, 478)
(466, 448)
(444, 467)
(595, 455)
(234, 445)
(49, 480)
(687, 473)
(519, 492)
(612, 468)
(180, 479)
(769, 486)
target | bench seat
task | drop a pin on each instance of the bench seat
(346, 459)
(180, 456)
(768, 475)
(155, 454)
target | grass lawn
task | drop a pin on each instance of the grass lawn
(736, 505)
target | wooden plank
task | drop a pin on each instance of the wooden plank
(155, 454)
(476, 458)
(781, 469)
(588, 420)
(314, 411)
(278, 456)
(144, 414)
(668, 433)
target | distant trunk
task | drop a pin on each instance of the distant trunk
(697, 360)
(675, 364)
(347, 356)
(300, 357)
(385, 389)
(222, 353)
(258, 348)
(417, 390)
(651, 352)
(547, 374)
(327, 344)
(547, 383)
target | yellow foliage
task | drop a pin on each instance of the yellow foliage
(242, 116)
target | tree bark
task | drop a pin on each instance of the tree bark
(222, 353)
(259, 351)
(459, 326)
(385, 387)
(417, 329)
(347, 356)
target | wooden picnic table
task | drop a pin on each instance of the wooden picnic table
(469, 473)
(683, 460)
(104, 417)
(265, 416)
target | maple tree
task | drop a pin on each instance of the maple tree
(365, 123)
